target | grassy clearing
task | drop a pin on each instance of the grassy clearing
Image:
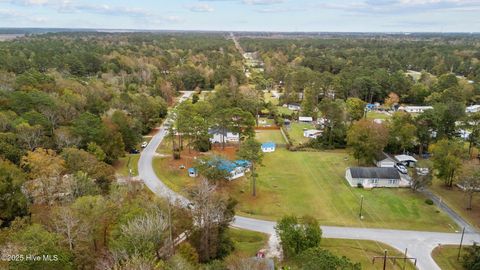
(378, 115)
(446, 257)
(313, 183)
(456, 199)
(283, 110)
(247, 243)
(270, 136)
(362, 251)
(296, 132)
(121, 166)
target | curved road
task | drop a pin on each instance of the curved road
(419, 243)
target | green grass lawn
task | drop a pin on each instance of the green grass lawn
(270, 136)
(446, 257)
(247, 243)
(377, 115)
(121, 166)
(283, 110)
(296, 132)
(313, 183)
(363, 251)
(456, 199)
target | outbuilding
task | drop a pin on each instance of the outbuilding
(385, 161)
(192, 172)
(370, 177)
(406, 160)
(312, 133)
(269, 147)
(305, 119)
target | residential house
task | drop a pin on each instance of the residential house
(415, 109)
(235, 169)
(473, 109)
(370, 177)
(220, 136)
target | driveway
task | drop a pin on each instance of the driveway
(419, 243)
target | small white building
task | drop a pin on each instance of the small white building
(473, 109)
(294, 107)
(312, 133)
(415, 109)
(268, 147)
(305, 119)
(372, 177)
(385, 161)
(219, 136)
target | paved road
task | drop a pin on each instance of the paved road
(420, 244)
(462, 223)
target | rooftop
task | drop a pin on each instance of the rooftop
(374, 172)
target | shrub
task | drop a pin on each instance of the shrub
(429, 202)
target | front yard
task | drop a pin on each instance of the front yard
(446, 257)
(313, 183)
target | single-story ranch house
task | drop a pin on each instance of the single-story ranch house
(235, 169)
(370, 177)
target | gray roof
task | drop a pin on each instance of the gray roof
(374, 172)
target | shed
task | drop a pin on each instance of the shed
(312, 133)
(370, 177)
(305, 119)
(192, 172)
(385, 161)
(268, 147)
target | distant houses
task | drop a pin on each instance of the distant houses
(415, 109)
(473, 109)
(370, 177)
(219, 136)
(268, 147)
(293, 106)
(305, 119)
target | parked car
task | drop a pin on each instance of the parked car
(144, 144)
(134, 151)
(401, 168)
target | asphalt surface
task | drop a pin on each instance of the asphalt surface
(419, 243)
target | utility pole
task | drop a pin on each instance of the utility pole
(385, 260)
(461, 242)
(361, 207)
(405, 259)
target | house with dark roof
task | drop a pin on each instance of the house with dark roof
(370, 177)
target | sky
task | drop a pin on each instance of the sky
(247, 15)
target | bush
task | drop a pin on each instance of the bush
(359, 185)
(429, 202)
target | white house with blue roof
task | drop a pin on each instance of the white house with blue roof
(268, 147)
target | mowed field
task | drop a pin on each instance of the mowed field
(313, 183)
(446, 257)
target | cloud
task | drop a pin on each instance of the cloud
(392, 7)
(262, 2)
(200, 8)
(280, 10)
(15, 16)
